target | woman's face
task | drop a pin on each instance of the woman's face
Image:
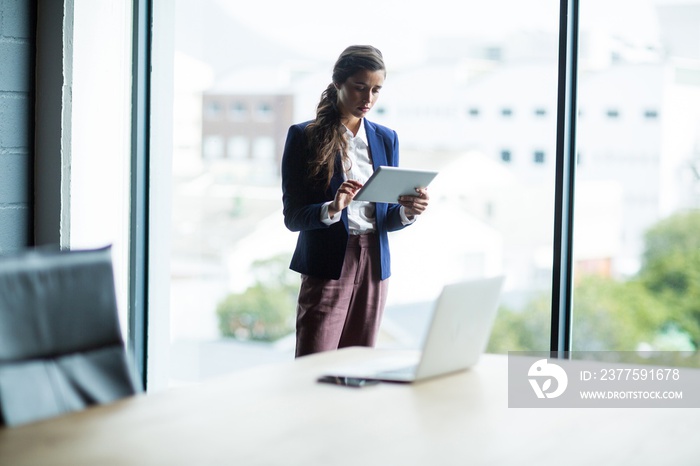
(358, 94)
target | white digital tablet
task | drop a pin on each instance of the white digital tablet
(388, 183)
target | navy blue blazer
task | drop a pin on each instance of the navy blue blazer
(320, 248)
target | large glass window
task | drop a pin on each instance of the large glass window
(637, 248)
(230, 80)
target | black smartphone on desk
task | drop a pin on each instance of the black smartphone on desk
(347, 381)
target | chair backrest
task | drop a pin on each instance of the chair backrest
(61, 347)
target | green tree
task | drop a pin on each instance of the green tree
(660, 306)
(671, 269)
(607, 315)
(614, 316)
(522, 330)
(265, 311)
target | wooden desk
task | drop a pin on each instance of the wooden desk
(279, 415)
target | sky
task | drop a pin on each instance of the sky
(399, 27)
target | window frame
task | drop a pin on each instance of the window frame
(565, 173)
(137, 340)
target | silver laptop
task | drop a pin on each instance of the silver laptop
(458, 333)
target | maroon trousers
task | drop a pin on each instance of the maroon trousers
(334, 314)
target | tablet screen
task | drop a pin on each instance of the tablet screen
(388, 183)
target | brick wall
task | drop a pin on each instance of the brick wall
(17, 52)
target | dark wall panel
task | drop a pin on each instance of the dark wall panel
(17, 52)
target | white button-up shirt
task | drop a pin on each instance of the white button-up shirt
(361, 214)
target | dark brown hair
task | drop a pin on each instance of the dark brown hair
(326, 134)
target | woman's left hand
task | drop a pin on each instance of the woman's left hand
(415, 205)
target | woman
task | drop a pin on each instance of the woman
(342, 251)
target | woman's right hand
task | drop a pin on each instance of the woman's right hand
(345, 194)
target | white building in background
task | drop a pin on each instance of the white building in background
(638, 126)
(637, 134)
(488, 122)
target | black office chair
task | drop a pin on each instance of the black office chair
(61, 348)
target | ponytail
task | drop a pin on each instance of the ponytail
(326, 137)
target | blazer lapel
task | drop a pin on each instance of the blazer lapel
(376, 146)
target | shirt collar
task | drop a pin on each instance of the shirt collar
(361, 133)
